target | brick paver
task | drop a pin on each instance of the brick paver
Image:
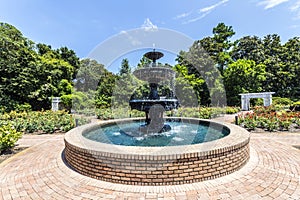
(273, 172)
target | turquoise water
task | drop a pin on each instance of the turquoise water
(182, 133)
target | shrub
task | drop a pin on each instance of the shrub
(295, 106)
(231, 110)
(257, 102)
(67, 101)
(8, 136)
(250, 124)
(281, 101)
(40, 121)
(196, 112)
(23, 107)
(104, 114)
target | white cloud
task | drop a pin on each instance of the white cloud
(201, 13)
(296, 9)
(271, 3)
(210, 8)
(123, 32)
(132, 40)
(195, 19)
(296, 6)
(183, 15)
(294, 26)
(148, 25)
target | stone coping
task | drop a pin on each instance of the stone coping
(257, 94)
(238, 137)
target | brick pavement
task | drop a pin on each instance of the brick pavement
(39, 172)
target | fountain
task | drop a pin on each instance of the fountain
(183, 150)
(154, 106)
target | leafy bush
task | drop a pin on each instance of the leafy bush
(66, 100)
(41, 121)
(257, 102)
(295, 106)
(8, 136)
(23, 108)
(108, 113)
(104, 114)
(232, 110)
(196, 112)
(281, 101)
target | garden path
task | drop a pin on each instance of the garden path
(39, 172)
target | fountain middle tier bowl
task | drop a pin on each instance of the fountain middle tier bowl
(154, 74)
(178, 159)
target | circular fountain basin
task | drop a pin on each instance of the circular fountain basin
(179, 133)
(163, 165)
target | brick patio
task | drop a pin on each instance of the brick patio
(273, 172)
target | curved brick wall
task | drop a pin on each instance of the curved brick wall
(157, 165)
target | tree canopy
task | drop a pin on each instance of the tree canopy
(31, 73)
(214, 69)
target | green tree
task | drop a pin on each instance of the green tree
(144, 62)
(248, 48)
(291, 56)
(202, 70)
(105, 89)
(31, 73)
(243, 76)
(17, 67)
(218, 45)
(43, 48)
(69, 56)
(276, 80)
(95, 82)
(89, 75)
(125, 68)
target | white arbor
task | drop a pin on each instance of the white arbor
(245, 99)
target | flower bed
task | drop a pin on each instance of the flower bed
(40, 121)
(270, 119)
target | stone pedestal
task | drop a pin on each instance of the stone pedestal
(55, 103)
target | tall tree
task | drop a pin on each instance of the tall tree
(125, 68)
(69, 56)
(31, 73)
(248, 48)
(17, 69)
(89, 75)
(290, 59)
(243, 76)
(218, 45)
(144, 61)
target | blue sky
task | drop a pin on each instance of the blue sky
(82, 25)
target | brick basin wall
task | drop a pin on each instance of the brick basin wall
(164, 168)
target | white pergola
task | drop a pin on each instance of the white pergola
(245, 99)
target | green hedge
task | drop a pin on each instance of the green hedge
(197, 112)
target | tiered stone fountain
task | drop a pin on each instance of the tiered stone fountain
(187, 151)
(154, 106)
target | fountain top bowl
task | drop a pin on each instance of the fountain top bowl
(154, 55)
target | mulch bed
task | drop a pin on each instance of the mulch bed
(10, 152)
